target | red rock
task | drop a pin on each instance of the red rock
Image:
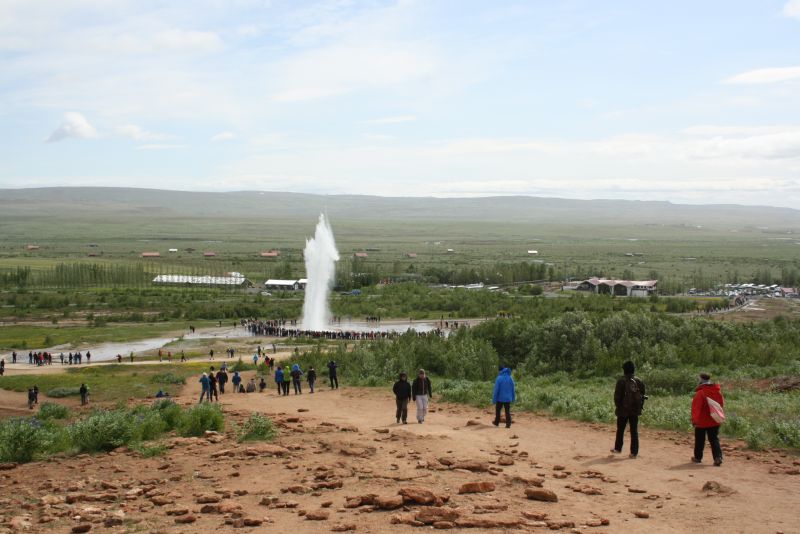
(84, 527)
(472, 465)
(434, 514)
(178, 511)
(405, 519)
(536, 516)
(207, 498)
(477, 487)
(444, 525)
(537, 494)
(185, 519)
(392, 502)
(641, 514)
(480, 522)
(343, 527)
(505, 460)
(318, 515)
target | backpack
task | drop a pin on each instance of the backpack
(715, 410)
(633, 400)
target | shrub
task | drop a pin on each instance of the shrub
(788, 433)
(60, 393)
(21, 438)
(257, 428)
(167, 378)
(52, 410)
(103, 431)
(150, 451)
(148, 425)
(197, 419)
(169, 412)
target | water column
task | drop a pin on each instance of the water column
(321, 257)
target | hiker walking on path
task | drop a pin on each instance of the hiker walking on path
(296, 374)
(279, 379)
(212, 385)
(629, 397)
(505, 392)
(707, 416)
(84, 391)
(332, 367)
(402, 394)
(205, 390)
(421, 393)
(31, 398)
(222, 379)
(236, 381)
(311, 376)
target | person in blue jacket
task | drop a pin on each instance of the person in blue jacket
(206, 388)
(279, 379)
(505, 392)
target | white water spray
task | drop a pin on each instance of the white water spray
(321, 257)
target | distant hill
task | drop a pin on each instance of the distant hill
(126, 202)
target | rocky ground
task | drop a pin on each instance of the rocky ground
(342, 464)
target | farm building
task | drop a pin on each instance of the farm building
(302, 283)
(209, 254)
(283, 285)
(411, 254)
(32, 247)
(229, 279)
(533, 252)
(151, 254)
(361, 255)
(271, 254)
(618, 288)
(173, 250)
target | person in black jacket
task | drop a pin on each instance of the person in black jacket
(311, 377)
(629, 397)
(402, 394)
(421, 393)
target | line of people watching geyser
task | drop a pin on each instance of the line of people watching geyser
(40, 358)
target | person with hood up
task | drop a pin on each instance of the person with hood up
(84, 391)
(236, 381)
(421, 393)
(206, 388)
(222, 379)
(296, 374)
(629, 397)
(402, 394)
(703, 419)
(333, 374)
(505, 392)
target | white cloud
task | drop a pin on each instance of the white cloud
(74, 125)
(139, 134)
(397, 119)
(792, 9)
(763, 76)
(733, 130)
(223, 136)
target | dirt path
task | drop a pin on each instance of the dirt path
(349, 437)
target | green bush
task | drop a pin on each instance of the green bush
(197, 419)
(60, 393)
(257, 428)
(150, 451)
(169, 412)
(168, 378)
(22, 438)
(103, 431)
(52, 410)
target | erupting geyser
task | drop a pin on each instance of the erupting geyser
(321, 257)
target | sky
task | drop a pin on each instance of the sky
(686, 101)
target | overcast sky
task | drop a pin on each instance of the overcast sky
(689, 101)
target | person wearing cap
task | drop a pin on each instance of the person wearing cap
(629, 397)
(421, 393)
(205, 385)
(704, 424)
(402, 394)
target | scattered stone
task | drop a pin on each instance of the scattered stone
(343, 527)
(392, 502)
(318, 515)
(715, 488)
(419, 495)
(480, 522)
(405, 519)
(472, 465)
(536, 516)
(207, 498)
(185, 519)
(83, 527)
(477, 487)
(431, 515)
(558, 525)
(538, 494)
(637, 490)
(641, 514)
(505, 460)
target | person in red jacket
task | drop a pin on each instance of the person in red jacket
(704, 424)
